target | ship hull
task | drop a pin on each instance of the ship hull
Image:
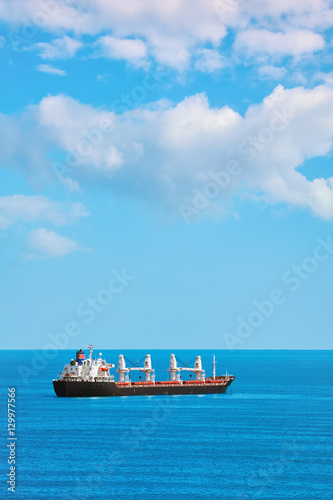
(71, 388)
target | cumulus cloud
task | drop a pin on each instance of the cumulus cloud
(172, 32)
(24, 208)
(169, 29)
(60, 48)
(133, 51)
(82, 131)
(43, 244)
(164, 152)
(46, 68)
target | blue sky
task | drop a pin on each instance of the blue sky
(165, 176)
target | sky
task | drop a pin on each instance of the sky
(165, 174)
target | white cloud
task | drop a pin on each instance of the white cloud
(302, 13)
(43, 244)
(26, 208)
(172, 31)
(133, 51)
(169, 29)
(272, 72)
(326, 78)
(293, 42)
(162, 152)
(60, 48)
(209, 60)
(82, 131)
(46, 68)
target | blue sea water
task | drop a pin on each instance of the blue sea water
(269, 437)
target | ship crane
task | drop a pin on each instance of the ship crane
(147, 369)
(174, 369)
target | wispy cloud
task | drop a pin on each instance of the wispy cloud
(326, 78)
(278, 44)
(46, 68)
(43, 244)
(102, 78)
(26, 208)
(60, 48)
(209, 61)
(272, 72)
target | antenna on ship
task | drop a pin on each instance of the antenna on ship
(214, 368)
(90, 347)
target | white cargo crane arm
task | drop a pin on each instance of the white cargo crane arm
(197, 369)
(122, 369)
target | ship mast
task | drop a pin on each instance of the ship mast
(90, 347)
(214, 368)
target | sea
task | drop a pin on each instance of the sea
(268, 437)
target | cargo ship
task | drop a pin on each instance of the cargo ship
(91, 377)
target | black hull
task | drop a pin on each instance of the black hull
(71, 388)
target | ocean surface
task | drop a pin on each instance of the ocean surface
(269, 437)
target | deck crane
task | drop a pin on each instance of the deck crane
(146, 368)
(175, 370)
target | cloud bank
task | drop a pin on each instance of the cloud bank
(170, 33)
(162, 153)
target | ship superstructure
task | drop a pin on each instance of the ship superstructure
(82, 369)
(88, 377)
